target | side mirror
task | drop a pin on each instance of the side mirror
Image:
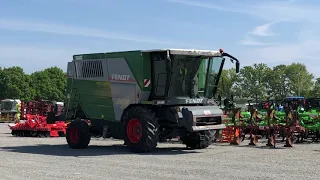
(219, 100)
(237, 67)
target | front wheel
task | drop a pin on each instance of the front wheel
(78, 134)
(199, 140)
(141, 129)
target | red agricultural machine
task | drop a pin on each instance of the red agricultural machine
(268, 125)
(40, 119)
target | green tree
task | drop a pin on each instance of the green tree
(49, 84)
(2, 85)
(253, 81)
(315, 91)
(278, 82)
(14, 83)
(300, 80)
(258, 79)
(227, 83)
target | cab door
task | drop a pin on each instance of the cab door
(159, 74)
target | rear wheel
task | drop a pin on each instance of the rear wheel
(199, 140)
(78, 134)
(141, 129)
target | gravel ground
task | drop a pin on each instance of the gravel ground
(50, 158)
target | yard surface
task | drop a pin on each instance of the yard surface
(51, 158)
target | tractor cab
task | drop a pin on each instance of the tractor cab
(312, 103)
(295, 102)
(10, 109)
(9, 105)
(182, 76)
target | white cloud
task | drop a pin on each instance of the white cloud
(291, 1)
(263, 30)
(271, 11)
(249, 41)
(266, 10)
(209, 6)
(24, 25)
(304, 49)
(306, 52)
(307, 46)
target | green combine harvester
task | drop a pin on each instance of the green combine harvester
(145, 97)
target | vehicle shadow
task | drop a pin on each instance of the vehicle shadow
(260, 145)
(92, 150)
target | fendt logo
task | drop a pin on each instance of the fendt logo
(120, 77)
(190, 101)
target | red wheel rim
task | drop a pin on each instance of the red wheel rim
(73, 135)
(134, 130)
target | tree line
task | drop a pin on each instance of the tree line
(48, 84)
(253, 82)
(263, 83)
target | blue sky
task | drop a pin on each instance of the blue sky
(36, 34)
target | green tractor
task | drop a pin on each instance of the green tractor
(145, 97)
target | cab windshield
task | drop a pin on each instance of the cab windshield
(6, 105)
(214, 65)
(189, 76)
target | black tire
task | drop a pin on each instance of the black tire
(82, 129)
(148, 134)
(199, 140)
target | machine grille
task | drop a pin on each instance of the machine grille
(201, 121)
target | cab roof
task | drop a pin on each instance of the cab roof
(195, 52)
(187, 52)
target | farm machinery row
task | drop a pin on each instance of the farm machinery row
(295, 120)
(34, 119)
(148, 96)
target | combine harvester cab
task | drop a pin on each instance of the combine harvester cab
(145, 97)
(39, 119)
(10, 109)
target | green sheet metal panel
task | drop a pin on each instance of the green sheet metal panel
(135, 63)
(94, 97)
